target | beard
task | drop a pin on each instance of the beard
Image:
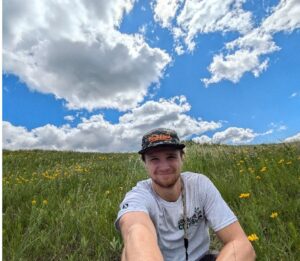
(166, 184)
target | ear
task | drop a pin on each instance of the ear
(182, 160)
(182, 155)
(144, 162)
(146, 168)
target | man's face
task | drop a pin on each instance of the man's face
(164, 166)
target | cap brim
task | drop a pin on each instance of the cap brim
(176, 146)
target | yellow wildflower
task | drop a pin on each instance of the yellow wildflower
(281, 161)
(45, 202)
(107, 192)
(258, 177)
(252, 237)
(288, 163)
(33, 202)
(244, 195)
(263, 169)
(241, 170)
(274, 215)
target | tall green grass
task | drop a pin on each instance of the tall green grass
(62, 205)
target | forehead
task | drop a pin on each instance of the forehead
(162, 151)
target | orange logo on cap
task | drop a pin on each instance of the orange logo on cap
(159, 137)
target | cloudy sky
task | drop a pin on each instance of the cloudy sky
(92, 75)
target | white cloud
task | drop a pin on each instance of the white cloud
(244, 54)
(231, 135)
(203, 139)
(198, 17)
(296, 137)
(278, 127)
(282, 128)
(285, 17)
(234, 135)
(233, 66)
(79, 55)
(247, 51)
(143, 29)
(294, 94)
(211, 16)
(179, 50)
(97, 134)
(165, 10)
(69, 118)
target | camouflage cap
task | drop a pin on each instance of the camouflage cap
(160, 137)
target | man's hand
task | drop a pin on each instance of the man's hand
(140, 238)
(236, 244)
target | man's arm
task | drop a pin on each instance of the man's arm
(236, 244)
(140, 238)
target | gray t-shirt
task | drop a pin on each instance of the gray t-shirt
(205, 208)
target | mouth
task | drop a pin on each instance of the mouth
(166, 174)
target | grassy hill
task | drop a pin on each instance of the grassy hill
(62, 205)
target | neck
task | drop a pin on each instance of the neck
(170, 194)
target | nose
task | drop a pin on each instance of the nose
(164, 165)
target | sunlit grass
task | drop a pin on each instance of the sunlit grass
(62, 205)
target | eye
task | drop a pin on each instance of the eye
(172, 157)
(154, 159)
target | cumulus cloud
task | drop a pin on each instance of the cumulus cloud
(234, 135)
(244, 54)
(231, 135)
(97, 134)
(203, 139)
(294, 138)
(285, 17)
(79, 56)
(233, 66)
(69, 118)
(165, 10)
(202, 17)
(212, 16)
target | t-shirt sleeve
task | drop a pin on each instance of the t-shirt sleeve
(135, 200)
(217, 212)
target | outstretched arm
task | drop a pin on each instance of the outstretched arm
(236, 244)
(140, 238)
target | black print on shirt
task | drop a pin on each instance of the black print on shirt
(194, 219)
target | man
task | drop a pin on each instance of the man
(167, 216)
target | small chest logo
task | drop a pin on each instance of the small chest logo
(194, 219)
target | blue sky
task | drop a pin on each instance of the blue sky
(96, 75)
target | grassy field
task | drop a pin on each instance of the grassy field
(62, 205)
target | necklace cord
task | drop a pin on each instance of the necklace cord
(186, 240)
